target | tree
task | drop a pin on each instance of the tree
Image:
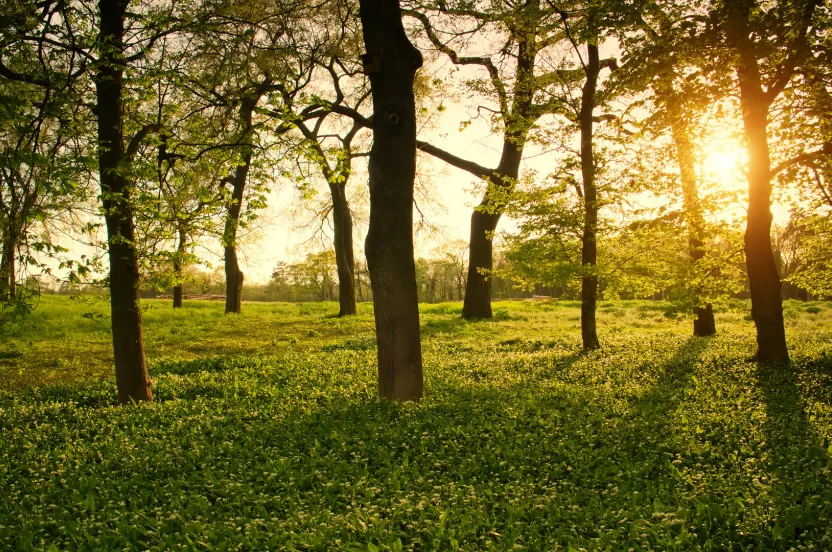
(522, 95)
(589, 246)
(116, 188)
(335, 164)
(248, 58)
(391, 63)
(664, 65)
(812, 267)
(42, 170)
(768, 44)
(249, 99)
(89, 47)
(312, 279)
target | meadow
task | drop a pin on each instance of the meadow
(266, 433)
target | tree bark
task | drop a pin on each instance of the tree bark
(233, 275)
(392, 169)
(344, 256)
(763, 277)
(128, 345)
(589, 245)
(477, 303)
(703, 322)
(233, 282)
(177, 269)
(486, 216)
(8, 276)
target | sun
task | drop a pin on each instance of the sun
(724, 164)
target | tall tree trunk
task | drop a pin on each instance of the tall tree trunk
(486, 216)
(233, 275)
(703, 322)
(763, 277)
(589, 245)
(392, 62)
(177, 268)
(8, 276)
(128, 345)
(344, 256)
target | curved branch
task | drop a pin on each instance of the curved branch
(474, 168)
(137, 140)
(483, 61)
(802, 159)
(20, 77)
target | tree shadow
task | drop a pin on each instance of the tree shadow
(443, 326)
(523, 463)
(797, 456)
(815, 376)
(667, 392)
(652, 447)
(191, 366)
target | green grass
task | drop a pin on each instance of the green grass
(266, 434)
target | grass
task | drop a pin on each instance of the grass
(266, 434)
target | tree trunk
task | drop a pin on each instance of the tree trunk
(703, 322)
(477, 303)
(589, 245)
(393, 62)
(233, 282)
(763, 278)
(344, 256)
(177, 269)
(359, 285)
(128, 345)
(177, 296)
(8, 276)
(233, 275)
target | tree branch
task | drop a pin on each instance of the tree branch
(136, 142)
(486, 62)
(801, 159)
(15, 76)
(474, 168)
(798, 49)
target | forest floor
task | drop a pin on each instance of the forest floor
(266, 434)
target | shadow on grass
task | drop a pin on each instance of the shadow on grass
(444, 325)
(351, 344)
(491, 467)
(498, 467)
(102, 393)
(185, 367)
(675, 376)
(815, 374)
(798, 457)
(651, 433)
